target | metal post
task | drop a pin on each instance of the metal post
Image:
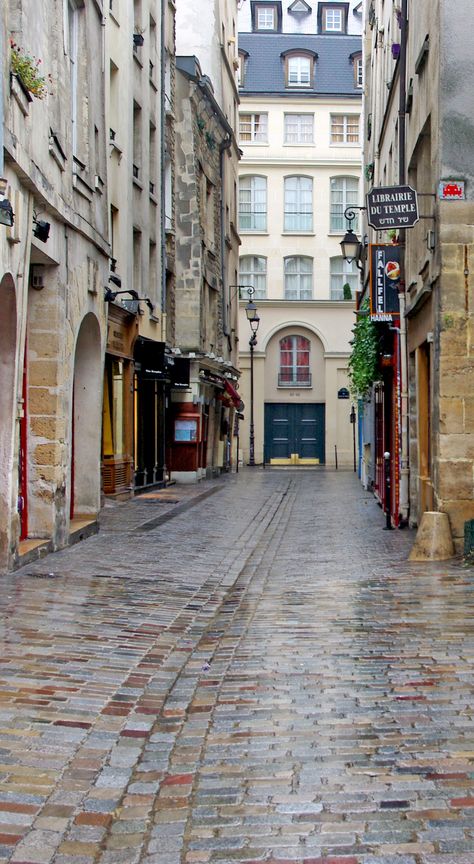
(388, 525)
(252, 344)
(352, 418)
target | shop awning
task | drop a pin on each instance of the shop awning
(234, 394)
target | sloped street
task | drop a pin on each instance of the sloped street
(245, 671)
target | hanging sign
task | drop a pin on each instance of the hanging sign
(385, 274)
(392, 207)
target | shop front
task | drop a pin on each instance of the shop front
(117, 420)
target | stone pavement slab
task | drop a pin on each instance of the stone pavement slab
(259, 677)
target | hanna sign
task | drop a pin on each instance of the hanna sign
(392, 207)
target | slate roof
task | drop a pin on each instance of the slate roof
(264, 70)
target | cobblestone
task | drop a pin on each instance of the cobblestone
(239, 677)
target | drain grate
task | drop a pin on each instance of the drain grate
(44, 575)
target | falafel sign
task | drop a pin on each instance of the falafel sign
(385, 276)
(392, 207)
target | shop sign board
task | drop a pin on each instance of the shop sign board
(392, 207)
(385, 274)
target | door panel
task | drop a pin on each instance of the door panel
(294, 432)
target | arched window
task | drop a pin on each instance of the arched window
(298, 204)
(343, 273)
(294, 362)
(253, 203)
(253, 272)
(344, 192)
(298, 278)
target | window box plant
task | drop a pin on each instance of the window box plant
(27, 70)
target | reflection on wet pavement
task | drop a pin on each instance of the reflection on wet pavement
(263, 678)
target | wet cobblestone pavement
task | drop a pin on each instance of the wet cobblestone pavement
(261, 676)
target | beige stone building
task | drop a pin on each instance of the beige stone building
(54, 262)
(300, 131)
(139, 89)
(418, 101)
(201, 439)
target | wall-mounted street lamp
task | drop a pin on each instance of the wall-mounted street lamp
(254, 321)
(41, 229)
(351, 247)
(6, 209)
(110, 296)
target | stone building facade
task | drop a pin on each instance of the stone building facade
(202, 418)
(418, 101)
(54, 261)
(300, 131)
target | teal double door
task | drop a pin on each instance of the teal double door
(294, 433)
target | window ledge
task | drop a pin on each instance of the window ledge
(294, 386)
(340, 144)
(249, 231)
(298, 233)
(254, 143)
(299, 144)
(138, 183)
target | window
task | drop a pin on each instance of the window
(343, 273)
(298, 278)
(299, 71)
(298, 204)
(299, 128)
(294, 362)
(253, 127)
(242, 68)
(75, 23)
(332, 17)
(299, 68)
(345, 129)
(358, 71)
(253, 203)
(266, 17)
(344, 192)
(253, 271)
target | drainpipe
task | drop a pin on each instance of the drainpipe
(404, 431)
(163, 233)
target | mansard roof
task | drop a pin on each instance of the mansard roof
(334, 70)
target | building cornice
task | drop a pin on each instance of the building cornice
(275, 161)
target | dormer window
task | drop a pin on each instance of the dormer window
(332, 17)
(299, 8)
(266, 17)
(299, 68)
(356, 60)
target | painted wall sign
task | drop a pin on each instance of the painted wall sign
(451, 190)
(385, 274)
(392, 207)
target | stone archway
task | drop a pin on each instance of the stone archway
(8, 359)
(86, 420)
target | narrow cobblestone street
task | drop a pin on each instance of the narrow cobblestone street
(279, 686)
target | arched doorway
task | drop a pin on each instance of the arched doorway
(86, 421)
(8, 346)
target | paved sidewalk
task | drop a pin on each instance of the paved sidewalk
(254, 676)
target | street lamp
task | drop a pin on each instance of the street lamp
(253, 319)
(351, 247)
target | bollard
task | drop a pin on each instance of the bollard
(388, 523)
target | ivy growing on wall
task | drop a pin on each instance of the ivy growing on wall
(363, 365)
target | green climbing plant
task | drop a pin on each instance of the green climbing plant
(362, 369)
